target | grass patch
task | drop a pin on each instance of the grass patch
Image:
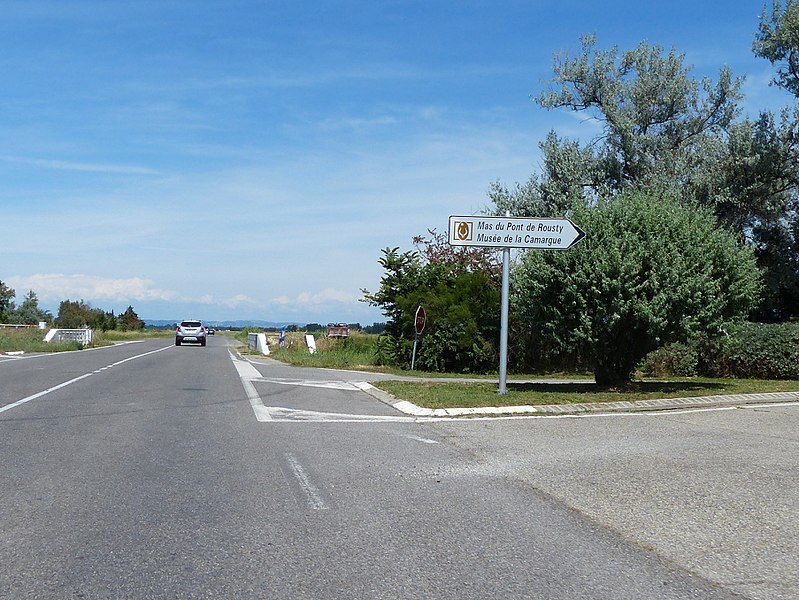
(30, 339)
(470, 395)
(357, 352)
(124, 336)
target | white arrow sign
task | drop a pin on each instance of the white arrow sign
(514, 232)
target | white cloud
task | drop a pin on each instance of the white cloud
(316, 299)
(58, 287)
(238, 300)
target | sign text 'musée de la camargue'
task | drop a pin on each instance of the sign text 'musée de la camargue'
(514, 232)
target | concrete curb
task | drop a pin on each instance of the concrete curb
(665, 404)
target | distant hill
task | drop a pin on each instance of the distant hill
(225, 324)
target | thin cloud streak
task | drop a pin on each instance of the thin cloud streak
(65, 165)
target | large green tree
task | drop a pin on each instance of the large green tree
(649, 271)
(656, 120)
(777, 237)
(129, 320)
(29, 313)
(74, 314)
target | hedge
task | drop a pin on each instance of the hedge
(743, 350)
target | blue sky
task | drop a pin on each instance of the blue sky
(250, 159)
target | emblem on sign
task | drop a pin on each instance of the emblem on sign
(463, 230)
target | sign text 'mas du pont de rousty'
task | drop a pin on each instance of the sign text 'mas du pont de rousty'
(514, 232)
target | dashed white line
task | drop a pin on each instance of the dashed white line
(43, 393)
(74, 380)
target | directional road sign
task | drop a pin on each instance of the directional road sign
(514, 232)
(506, 233)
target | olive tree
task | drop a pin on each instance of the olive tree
(777, 40)
(656, 119)
(650, 271)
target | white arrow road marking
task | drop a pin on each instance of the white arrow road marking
(250, 375)
(315, 383)
(247, 373)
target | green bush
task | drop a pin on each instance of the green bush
(462, 303)
(649, 271)
(742, 350)
(393, 351)
(674, 359)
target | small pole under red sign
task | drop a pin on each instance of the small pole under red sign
(419, 322)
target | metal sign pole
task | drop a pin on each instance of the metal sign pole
(503, 332)
(543, 233)
(413, 356)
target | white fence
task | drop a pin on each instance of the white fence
(81, 336)
(257, 341)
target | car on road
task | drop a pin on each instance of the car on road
(190, 330)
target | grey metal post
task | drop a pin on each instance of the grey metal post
(503, 332)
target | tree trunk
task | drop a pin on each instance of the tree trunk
(613, 373)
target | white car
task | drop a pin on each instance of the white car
(190, 330)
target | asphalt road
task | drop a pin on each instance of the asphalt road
(151, 471)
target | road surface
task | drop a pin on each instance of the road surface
(147, 470)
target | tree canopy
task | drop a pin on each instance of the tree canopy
(663, 131)
(777, 40)
(7, 295)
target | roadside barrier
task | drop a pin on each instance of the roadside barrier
(257, 341)
(81, 336)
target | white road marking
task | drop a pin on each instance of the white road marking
(299, 415)
(43, 393)
(316, 383)
(417, 438)
(412, 413)
(248, 373)
(74, 380)
(312, 493)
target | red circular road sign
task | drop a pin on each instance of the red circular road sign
(421, 319)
